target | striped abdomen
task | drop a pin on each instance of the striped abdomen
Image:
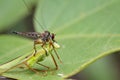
(33, 35)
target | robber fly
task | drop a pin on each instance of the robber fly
(47, 41)
(39, 38)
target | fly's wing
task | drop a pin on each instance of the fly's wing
(32, 35)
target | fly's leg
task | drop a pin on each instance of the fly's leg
(35, 43)
(35, 48)
(43, 65)
(44, 49)
(39, 42)
(51, 44)
(56, 65)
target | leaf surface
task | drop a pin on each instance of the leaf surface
(86, 31)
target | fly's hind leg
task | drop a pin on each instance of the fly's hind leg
(44, 49)
(34, 47)
(56, 65)
(51, 44)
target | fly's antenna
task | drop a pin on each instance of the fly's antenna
(34, 16)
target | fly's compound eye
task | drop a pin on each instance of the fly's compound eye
(53, 36)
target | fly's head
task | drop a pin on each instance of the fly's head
(48, 36)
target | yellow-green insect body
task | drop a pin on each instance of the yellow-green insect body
(40, 56)
(27, 59)
(31, 60)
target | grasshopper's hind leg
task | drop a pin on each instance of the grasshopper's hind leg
(56, 52)
(32, 69)
(43, 65)
(10, 69)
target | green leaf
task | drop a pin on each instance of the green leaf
(12, 11)
(86, 30)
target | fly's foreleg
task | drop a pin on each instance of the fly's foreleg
(42, 45)
(56, 65)
(34, 47)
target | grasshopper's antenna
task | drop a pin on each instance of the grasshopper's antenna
(34, 16)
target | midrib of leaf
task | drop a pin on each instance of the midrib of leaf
(80, 18)
(71, 36)
(59, 14)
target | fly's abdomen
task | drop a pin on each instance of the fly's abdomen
(33, 35)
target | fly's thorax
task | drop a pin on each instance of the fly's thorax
(39, 41)
(46, 36)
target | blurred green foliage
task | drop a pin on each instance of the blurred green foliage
(87, 30)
